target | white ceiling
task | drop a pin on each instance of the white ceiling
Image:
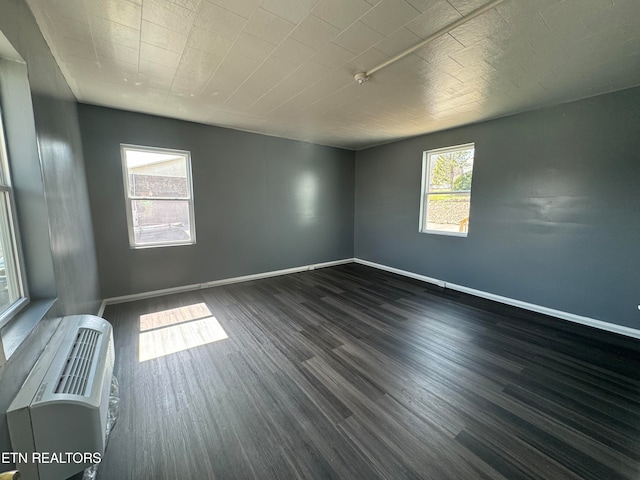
(285, 67)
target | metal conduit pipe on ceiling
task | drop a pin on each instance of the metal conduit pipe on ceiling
(362, 77)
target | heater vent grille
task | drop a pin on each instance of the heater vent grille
(75, 373)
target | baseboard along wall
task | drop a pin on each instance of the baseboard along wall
(216, 283)
(571, 317)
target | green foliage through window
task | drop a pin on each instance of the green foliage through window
(446, 195)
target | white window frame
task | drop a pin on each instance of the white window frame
(15, 262)
(424, 190)
(129, 199)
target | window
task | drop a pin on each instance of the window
(158, 191)
(12, 291)
(446, 190)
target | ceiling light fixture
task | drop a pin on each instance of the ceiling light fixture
(362, 77)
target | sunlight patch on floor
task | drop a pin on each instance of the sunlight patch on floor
(178, 329)
(172, 316)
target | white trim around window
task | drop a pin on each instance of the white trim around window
(158, 190)
(453, 191)
(13, 288)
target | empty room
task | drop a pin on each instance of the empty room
(319, 239)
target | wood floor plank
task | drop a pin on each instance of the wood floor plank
(353, 373)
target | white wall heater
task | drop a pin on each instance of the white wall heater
(62, 407)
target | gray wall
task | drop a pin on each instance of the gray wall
(261, 203)
(70, 235)
(555, 208)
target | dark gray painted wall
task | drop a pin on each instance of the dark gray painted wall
(555, 209)
(62, 175)
(261, 203)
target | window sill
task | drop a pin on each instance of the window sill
(159, 245)
(444, 232)
(22, 323)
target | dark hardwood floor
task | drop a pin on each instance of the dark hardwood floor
(353, 373)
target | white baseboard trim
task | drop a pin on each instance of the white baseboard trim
(572, 317)
(404, 273)
(216, 283)
(277, 273)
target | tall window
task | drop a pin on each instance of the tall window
(159, 195)
(12, 290)
(446, 190)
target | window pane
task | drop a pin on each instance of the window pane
(10, 290)
(451, 171)
(160, 221)
(154, 174)
(448, 212)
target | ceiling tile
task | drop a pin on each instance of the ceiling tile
(217, 93)
(563, 17)
(188, 85)
(159, 55)
(358, 37)
(78, 63)
(114, 64)
(268, 26)
(423, 5)
(208, 41)
(328, 85)
(310, 72)
(155, 81)
(479, 70)
(168, 15)
(190, 4)
(219, 20)
(332, 56)
(69, 28)
(252, 47)
(236, 120)
(440, 48)
(437, 16)
(75, 48)
(366, 60)
(242, 98)
(155, 70)
(108, 31)
(291, 10)
(73, 9)
(294, 51)
(244, 8)
(231, 73)
(283, 91)
(467, 6)
(314, 32)
(119, 52)
(341, 13)
(474, 54)
(266, 77)
(489, 25)
(197, 65)
(389, 15)
(345, 93)
(448, 65)
(118, 11)
(103, 75)
(163, 37)
(397, 42)
(533, 28)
